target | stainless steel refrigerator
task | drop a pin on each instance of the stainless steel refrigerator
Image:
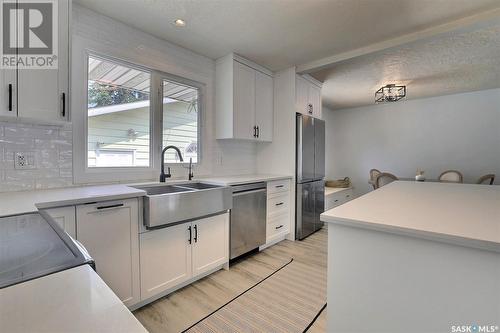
(310, 173)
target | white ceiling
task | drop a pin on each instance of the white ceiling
(460, 61)
(281, 33)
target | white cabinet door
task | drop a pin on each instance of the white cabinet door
(315, 100)
(244, 101)
(210, 243)
(110, 232)
(302, 95)
(65, 217)
(43, 93)
(264, 106)
(165, 259)
(8, 95)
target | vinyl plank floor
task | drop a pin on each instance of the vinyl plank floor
(184, 307)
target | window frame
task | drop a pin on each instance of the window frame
(85, 174)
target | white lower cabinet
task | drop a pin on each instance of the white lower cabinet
(338, 198)
(65, 217)
(109, 231)
(211, 243)
(278, 210)
(165, 259)
(173, 255)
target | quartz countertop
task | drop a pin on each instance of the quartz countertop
(12, 203)
(464, 214)
(74, 300)
(243, 179)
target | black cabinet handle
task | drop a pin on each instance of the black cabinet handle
(195, 233)
(310, 108)
(10, 97)
(190, 234)
(63, 112)
(279, 186)
(255, 131)
(258, 131)
(279, 203)
(110, 206)
(281, 226)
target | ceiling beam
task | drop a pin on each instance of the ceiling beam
(465, 22)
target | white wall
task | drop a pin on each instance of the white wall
(459, 131)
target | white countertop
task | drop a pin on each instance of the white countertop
(332, 190)
(460, 213)
(75, 300)
(243, 179)
(12, 203)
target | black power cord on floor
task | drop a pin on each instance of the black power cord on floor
(316, 317)
(240, 294)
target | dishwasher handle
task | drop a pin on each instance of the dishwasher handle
(249, 187)
(237, 194)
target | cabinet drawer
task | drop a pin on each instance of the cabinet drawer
(277, 186)
(278, 226)
(278, 205)
(337, 199)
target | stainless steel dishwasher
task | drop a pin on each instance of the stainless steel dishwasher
(248, 218)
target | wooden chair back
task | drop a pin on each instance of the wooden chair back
(373, 176)
(451, 176)
(486, 179)
(384, 178)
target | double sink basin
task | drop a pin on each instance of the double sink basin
(170, 204)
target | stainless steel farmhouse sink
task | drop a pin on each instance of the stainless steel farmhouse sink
(170, 204)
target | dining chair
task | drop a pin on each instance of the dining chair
(373, 176)
(384, 178)
(486, 179)
(451, 176)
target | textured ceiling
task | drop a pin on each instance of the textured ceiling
(282, 33)
(451, 63)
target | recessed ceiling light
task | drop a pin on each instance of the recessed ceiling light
(180, 23)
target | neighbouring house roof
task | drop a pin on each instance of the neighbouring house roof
(110, 73)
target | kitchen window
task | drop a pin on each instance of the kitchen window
(180, 120)
(118, 111)
(128, 114)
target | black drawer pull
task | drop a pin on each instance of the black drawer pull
(63, 112)
(279, 203)
(195, 233)
(336, 200)
(281, 226)
(190, 235)
(110, 206)
(10, 97)
(279, 186)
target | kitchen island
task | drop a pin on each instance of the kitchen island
(415, 257)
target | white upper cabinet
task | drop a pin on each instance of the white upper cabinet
(8, 100)
(264, 105)
(308, 96)
(244, 100)
(40, 94)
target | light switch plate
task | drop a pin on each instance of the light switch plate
(24, 160)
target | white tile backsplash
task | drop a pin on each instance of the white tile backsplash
(52, 146)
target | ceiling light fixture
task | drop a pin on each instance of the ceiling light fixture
(390, 93)
(180, 23)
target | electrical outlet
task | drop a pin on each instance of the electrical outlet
(24, 160)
